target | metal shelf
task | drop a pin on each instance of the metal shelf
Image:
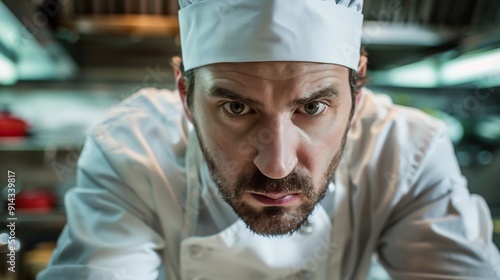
(27, 220)
(41, 144)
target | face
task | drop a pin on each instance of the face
(272, 134)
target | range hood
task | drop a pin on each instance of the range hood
(27, 49)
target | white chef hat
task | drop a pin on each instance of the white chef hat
(215, 31)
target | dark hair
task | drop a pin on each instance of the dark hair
(356, 82)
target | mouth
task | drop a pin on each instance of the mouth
(275, 199)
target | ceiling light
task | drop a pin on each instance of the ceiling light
(419, 74)
(473, 67)
(8, 72)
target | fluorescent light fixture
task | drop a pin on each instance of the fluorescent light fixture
(473, 67)
(481, 69)
(9, 27)
(38, 58)
(8, 72)
(385, 33)
(420, 74)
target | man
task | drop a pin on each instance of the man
(270, 163)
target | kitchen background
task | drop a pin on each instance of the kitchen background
(64, 63)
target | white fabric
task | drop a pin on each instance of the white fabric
(274, 258)
(398, 192)
(216, 31)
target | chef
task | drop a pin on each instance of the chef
(270, 161)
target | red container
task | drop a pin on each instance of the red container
(11, 126)
(39, 200)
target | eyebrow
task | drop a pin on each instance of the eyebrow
(220, 92)
(328, 92)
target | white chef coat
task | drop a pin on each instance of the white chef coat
(145, 206)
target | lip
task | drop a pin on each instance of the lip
(275, 199)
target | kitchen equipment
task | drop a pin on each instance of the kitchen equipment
(11, 126)
(38, 200)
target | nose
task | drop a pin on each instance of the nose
(277, 152)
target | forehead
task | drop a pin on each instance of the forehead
(273, 71)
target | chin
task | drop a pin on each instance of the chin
(273, 221)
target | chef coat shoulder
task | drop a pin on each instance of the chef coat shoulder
(404, 170)
(143, 116)
(144, 139)
(393, 143)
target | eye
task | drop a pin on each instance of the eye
(236, 108)
(313, 108)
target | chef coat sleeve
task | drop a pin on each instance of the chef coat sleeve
(110, 232)
(438, 230)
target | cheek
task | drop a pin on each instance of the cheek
(223, 145)
(231, 162)
(325, 142)
(323, 149)
(333, 135)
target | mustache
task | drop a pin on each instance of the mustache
(256, 181)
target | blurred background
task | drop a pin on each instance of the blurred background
(64, 63)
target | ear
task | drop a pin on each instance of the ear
(362, 65)
(180, 83)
